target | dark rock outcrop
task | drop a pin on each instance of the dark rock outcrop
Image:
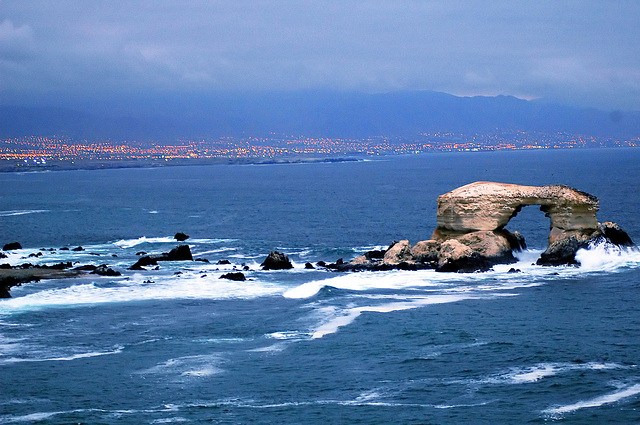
(181, 237)
(563, 251)
(612, 233)
(179, 253)
(276, 261)
(237, 276)
(17, 275)
(86, 268)
(104, 270)
(11, 246)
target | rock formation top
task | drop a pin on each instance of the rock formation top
(488, 206)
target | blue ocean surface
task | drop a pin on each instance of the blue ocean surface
(311, 346)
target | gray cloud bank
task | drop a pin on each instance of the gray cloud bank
(583, 53)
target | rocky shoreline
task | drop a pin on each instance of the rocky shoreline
(470, 237)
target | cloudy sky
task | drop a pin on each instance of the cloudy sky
(584, 53)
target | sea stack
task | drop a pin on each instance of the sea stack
(471, 235)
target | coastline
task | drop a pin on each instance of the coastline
(10, 166)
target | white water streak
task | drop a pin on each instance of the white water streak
(11, 360)
(613, 397)
(11, 213)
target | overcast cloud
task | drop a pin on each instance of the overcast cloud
(583, 53)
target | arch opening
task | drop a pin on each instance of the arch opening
(532, 223)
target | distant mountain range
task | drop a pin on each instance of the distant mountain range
(317, 114)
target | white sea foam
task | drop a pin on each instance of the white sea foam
(215, 251)
(169, 420)
(32, 417)
(189, 366)
(10, 213)
(337, 318)
(187, 286)
(622, 393)
(372, 280)
(273, 348)
(11, 360)
(453, 406)
(534, 373)
(129, 243)
(605, 257)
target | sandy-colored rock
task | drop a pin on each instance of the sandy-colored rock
(453, 250)
(398, 253)
(486, 243)
(489, 206)
(426, 251)
(360, 260)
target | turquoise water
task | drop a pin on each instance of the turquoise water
(312, 346)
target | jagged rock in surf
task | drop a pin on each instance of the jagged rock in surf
(276, 261)
(181, 237)
(104, 270)
(563, 251)
(179, 253)
(236, 276)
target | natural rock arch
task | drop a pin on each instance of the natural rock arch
(471, 235)
(488, 206)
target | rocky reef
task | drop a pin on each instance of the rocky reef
(471, 235)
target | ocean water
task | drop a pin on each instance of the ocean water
(180, 345)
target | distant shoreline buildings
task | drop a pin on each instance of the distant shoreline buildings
(65, 152)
